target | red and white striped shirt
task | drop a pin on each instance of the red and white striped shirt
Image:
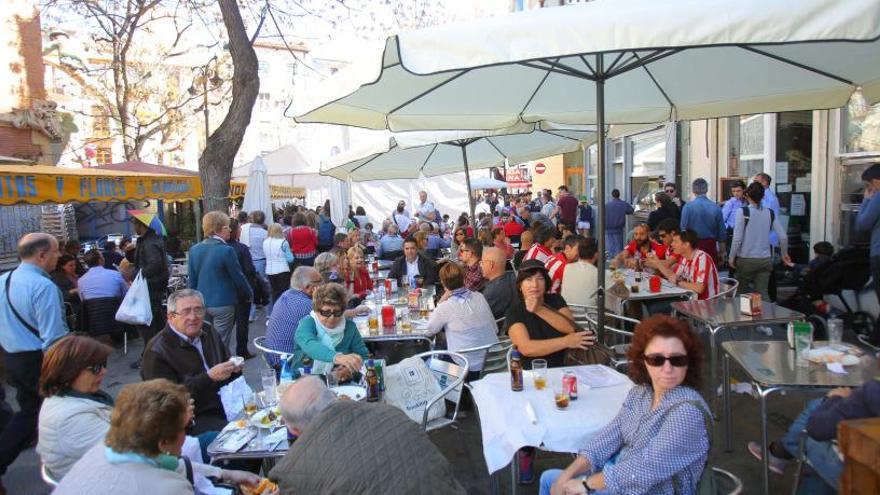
(538, 252)
(555, 268)
(700, 269)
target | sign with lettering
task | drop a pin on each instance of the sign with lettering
(42, 184)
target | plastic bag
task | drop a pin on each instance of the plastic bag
(135, 308)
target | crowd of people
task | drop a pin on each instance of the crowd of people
(515, 269)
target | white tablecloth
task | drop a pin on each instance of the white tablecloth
(506, 427)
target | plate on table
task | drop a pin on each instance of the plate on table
(350, 392)
(269, 417)
(823, 355)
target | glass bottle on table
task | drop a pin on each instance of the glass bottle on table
(371, 379)
(516, 371)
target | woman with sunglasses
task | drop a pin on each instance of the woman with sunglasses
(658, 443)
(76, 413)
(326, 336)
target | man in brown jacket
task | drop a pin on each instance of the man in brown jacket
(190, 352)
(356, 447)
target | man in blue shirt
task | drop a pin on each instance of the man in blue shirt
(32, 319)
(390, 245)
(99, 281)
(293, 305)
(868, 219)
(616, 211)
(704, 217)
(728, 212)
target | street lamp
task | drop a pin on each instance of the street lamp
(206, 75)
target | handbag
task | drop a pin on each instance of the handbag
(597, 353)
(707, 485)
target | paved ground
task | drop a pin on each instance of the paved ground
(463, 446)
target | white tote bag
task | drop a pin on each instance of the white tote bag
(409, 385)
(135, 308)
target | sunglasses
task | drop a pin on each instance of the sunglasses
(670, 191)
(656, 360)
(329, 314)
(96, 368)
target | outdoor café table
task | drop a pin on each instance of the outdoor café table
(505, 424)
(668, 290)
(724, 312)
(256, 448)
(770, 367)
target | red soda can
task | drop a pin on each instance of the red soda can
(570, 383)
(388, 286)
(376, 266)
(388, 316)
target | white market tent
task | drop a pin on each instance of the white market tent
(289, 166)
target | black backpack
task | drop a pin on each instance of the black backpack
(747, 213)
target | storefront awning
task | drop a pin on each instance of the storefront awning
(44, 184)
(237, 190)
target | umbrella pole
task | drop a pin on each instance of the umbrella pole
(600, 187)
(467, 179)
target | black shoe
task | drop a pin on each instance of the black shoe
(136, 365)
(247, 355)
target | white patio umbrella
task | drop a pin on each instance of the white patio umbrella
(615, 62)
(257, 196)
(410, 155)
(487, 183)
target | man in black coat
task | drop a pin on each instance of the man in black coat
(151, 260)
(190, 352)
(413, 263)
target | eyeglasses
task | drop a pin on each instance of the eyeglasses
(670, 191)
(189, 312)
(96, 368)
(656, 360)
(329, 314)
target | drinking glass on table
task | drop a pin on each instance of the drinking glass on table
(250, 404)
(539, 373)
(835, 331)
(560, 395)
(267, 377)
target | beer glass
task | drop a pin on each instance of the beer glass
(539, 373)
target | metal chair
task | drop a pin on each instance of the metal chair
(727, 482)
(450, 376)
(47, 478)
(260, 344)
(801, 459)
(617, 336)
(728, 288)
(493, 357)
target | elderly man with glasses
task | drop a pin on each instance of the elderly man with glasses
(293, 305)
(190, 352)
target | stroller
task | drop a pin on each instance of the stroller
(848, 269)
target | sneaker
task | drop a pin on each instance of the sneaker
(777, 464)
(526, 467)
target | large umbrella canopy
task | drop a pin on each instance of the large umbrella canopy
(676, 59)
(257, 195)
(409, 155)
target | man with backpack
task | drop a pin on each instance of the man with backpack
(751, 253)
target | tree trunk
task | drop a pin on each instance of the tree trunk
(215, 164)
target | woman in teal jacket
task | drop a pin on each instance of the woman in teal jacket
(326, 336)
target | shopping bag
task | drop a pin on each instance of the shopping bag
(135, 308)
(409, 385)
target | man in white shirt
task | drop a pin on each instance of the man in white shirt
(425, 207)
(581, 278)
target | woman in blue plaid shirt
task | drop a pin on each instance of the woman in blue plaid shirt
(658, 442)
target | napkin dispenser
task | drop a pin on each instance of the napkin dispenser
(750, 304)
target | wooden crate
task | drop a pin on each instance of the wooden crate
(859, 441)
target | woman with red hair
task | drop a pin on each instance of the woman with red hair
(659, 442)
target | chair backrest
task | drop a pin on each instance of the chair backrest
(496, 357)
(47, 478)
(450, 376)
(99, 315)
(727, 482)
(615, 324)
(260, 344)
(728, 287)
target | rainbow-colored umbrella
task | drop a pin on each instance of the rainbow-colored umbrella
(149, 219)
